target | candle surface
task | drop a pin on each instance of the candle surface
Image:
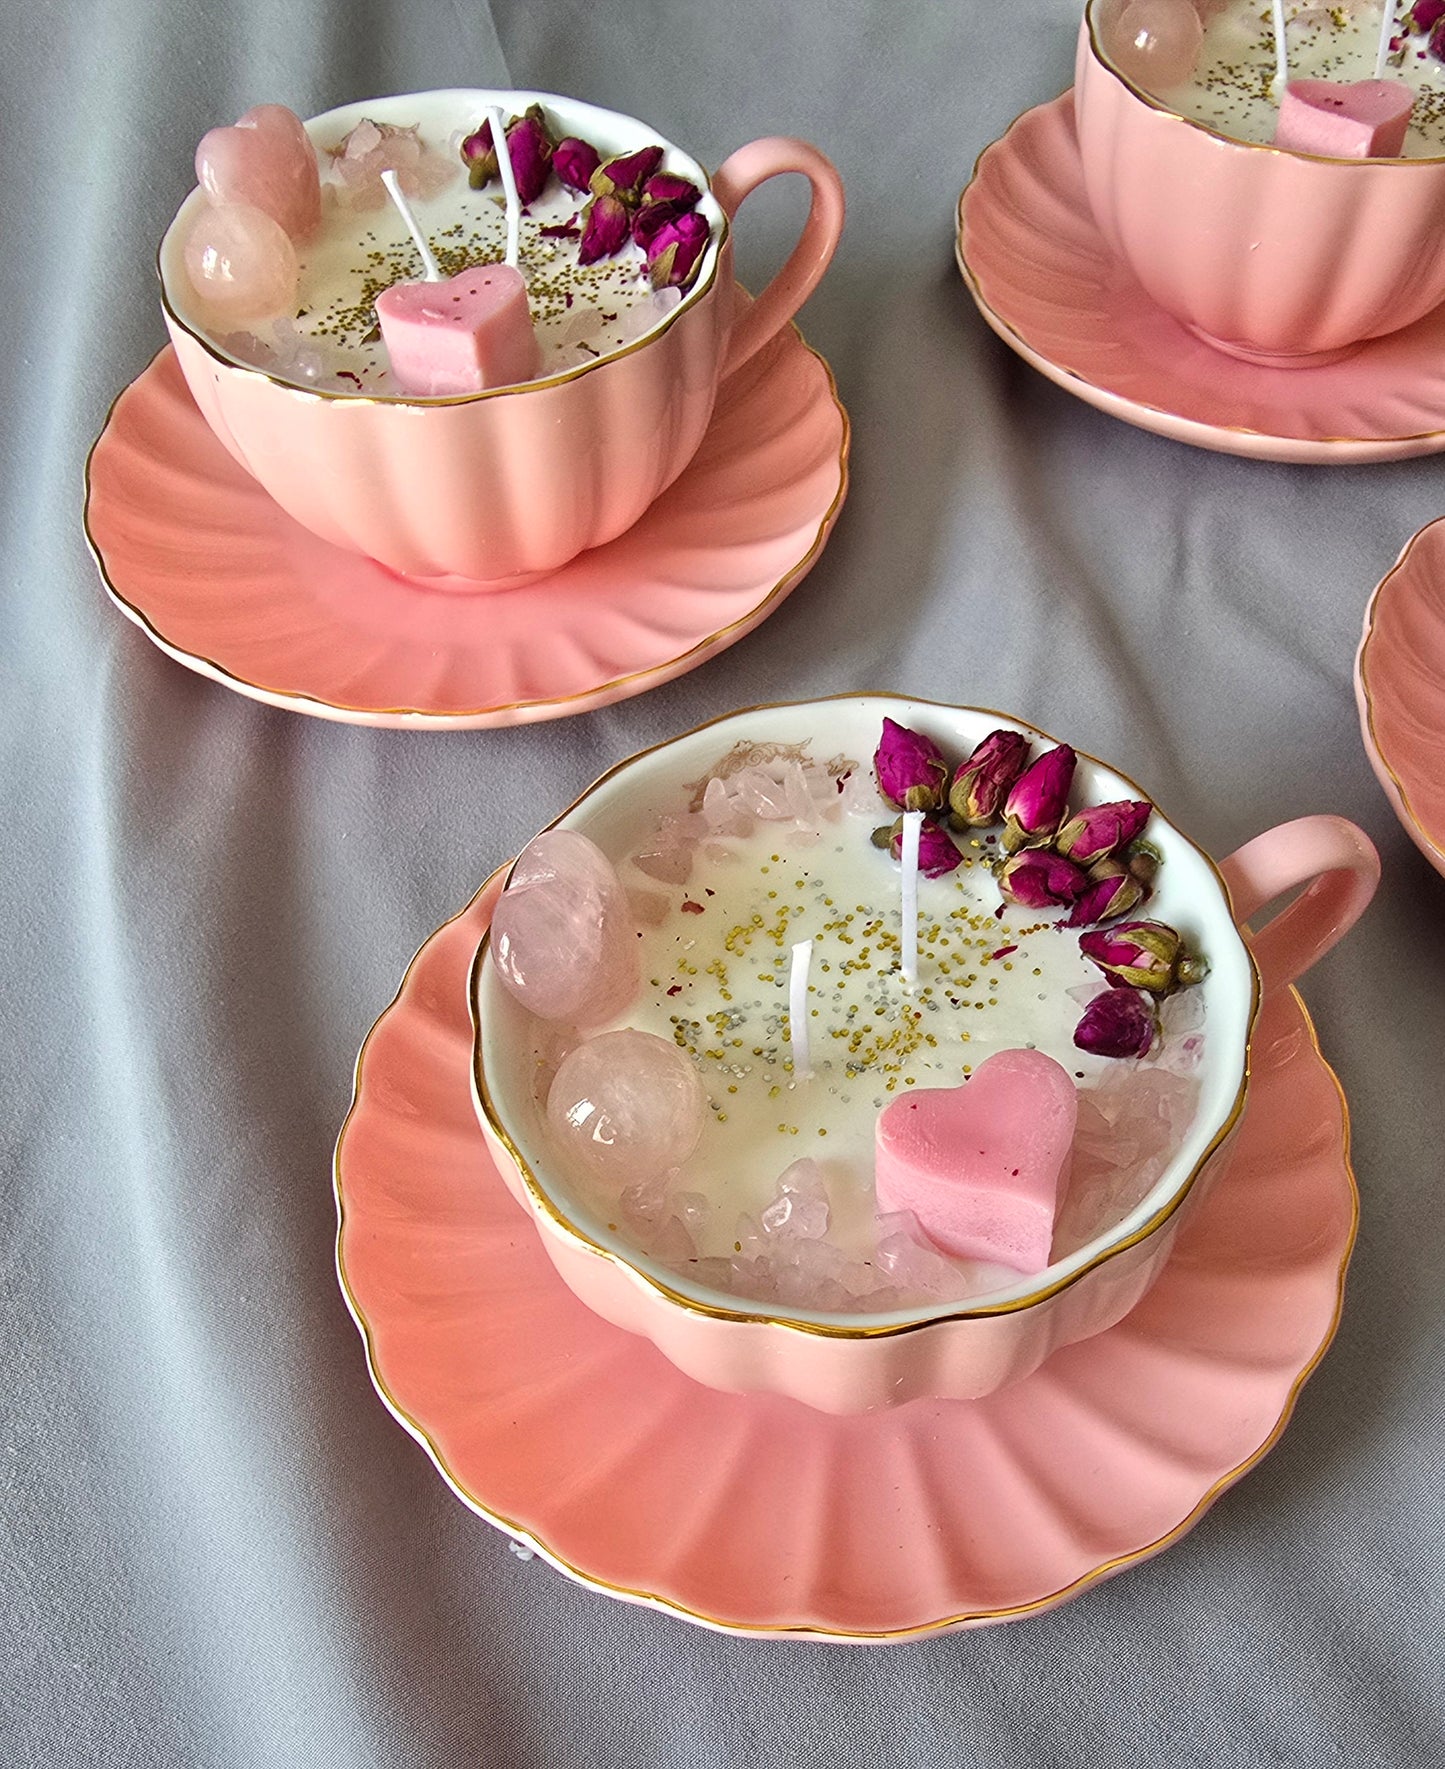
(720, 899)
(328, 338)
(1234, 86)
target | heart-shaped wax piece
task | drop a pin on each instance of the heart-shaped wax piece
(265, 161)
(1363, 121)
(983, 1166)
(468, 333)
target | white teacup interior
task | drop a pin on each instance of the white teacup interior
(621, 815)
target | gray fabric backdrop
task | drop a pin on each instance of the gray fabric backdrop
(217, 1548)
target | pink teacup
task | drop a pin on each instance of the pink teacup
(1277, 257)
(847, 1363)
(494, 489)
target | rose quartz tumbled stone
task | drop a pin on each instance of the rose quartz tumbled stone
(1156, 43)
(626, 1106)
(241, 263)
(564, 938)
(264, 161)
(982, 1166)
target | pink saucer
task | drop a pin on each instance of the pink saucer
(757, 1515)
(1043, 278)
(1400, 688)
(213, 571)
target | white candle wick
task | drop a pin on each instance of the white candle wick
(509, 183)
(413, 227)
(798, 1010)
(912, 830)
(1387, 30)
(1281, 50)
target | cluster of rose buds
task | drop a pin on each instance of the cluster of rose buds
(631, 201)
(1142, 961)
(1094, 862)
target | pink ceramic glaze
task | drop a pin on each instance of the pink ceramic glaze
(845, 1363)
(194, 551)
(1274, 256)
(758, 1516)
(1400, 688)
(499, 487)
(1045, 280)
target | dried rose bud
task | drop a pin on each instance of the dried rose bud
(910, 769)
(574, 162)
(1121, 1022)
(1436, 44)
(650, 219)
(985, 779)
(1142, 955)
(479, 156)
(531, 153)
(625, 174)
(604, 229)
(1040, 797)
(672, 187)
(936, 853)
(1424, 15)
(1037, 879)
(1095, 833)
(1112, 891)
(675, 251)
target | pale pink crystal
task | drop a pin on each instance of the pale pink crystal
(909, 1262)
(692, 1210)
(800, 1206)
(1128, 1130)
(667, 855)
(722, 813)
(358, 162)
(672, 1244)
(626, 1106)
(860, 796)
(563, 936)
(241, 263)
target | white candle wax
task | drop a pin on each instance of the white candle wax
(718, 981)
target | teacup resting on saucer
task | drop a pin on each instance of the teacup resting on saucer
(1285, 207)
(866, 1049)
(488, 440)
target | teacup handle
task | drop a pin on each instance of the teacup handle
(1337, 864)
(742, 173)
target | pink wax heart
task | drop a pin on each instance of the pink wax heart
(983, 1166)
(468, 333)
(264, 161)
(1363, 121)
